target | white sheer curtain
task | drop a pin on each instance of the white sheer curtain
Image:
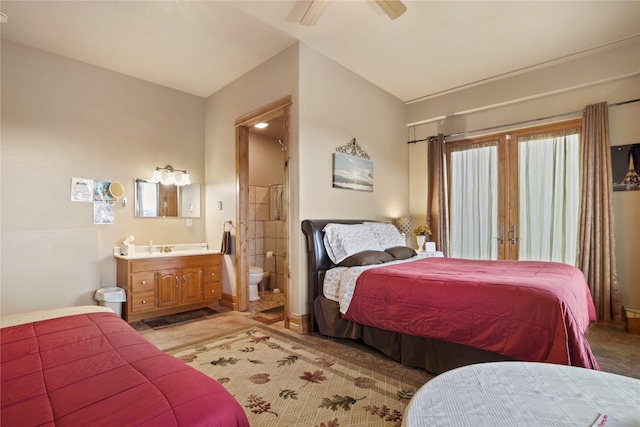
(549, 192)
(474, 202)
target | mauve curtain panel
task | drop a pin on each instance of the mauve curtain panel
(596, 245)
(437, 213)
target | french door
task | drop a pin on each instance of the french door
(515, 195)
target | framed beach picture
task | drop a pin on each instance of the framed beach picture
(625, 167)
(352, 173)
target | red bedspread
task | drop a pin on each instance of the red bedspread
(530, 311)
(94, 369)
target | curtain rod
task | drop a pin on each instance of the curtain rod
(519, 123)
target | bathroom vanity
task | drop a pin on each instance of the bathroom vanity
(168, 283)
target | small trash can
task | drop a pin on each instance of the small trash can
(633, 317)
(112, 297)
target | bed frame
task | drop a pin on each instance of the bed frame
(433, 355)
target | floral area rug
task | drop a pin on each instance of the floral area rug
(282, 381)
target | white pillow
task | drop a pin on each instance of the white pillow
(343, 240)
(387, 235)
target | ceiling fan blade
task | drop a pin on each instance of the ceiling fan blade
(313, 13)
(393, 8)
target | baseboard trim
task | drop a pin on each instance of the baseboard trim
(229, 301)
(300, 324)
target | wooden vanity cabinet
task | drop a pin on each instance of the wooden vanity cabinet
(168, 285)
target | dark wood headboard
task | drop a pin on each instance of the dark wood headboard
(318, 259)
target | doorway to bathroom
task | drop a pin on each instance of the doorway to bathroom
(262, 158)
(267, 214)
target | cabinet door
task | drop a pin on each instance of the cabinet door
(168, 288)
(191, 285)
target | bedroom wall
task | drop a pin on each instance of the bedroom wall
(331, 105)
(61, 119)
(609, 74)
(335, 106)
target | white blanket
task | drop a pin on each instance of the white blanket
(524, 394)
(340, 282)
(36, 316)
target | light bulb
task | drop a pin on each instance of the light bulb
(168, 178)
(156, 178)
(182, 179)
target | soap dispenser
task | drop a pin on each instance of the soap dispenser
(150, 246)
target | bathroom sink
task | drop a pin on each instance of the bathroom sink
(165, 254)
(188, 249)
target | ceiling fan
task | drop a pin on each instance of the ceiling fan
(393, 9)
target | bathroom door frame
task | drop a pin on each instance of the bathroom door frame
(279, 108)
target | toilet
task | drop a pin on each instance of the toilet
(255, 276)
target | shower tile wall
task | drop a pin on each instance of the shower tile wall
(265, 235)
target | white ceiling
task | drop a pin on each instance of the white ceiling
(201, 46)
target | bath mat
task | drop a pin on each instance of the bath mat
(181, 318)
(269, 317)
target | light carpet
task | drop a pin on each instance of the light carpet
(281, 380)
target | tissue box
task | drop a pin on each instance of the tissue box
(127, 249)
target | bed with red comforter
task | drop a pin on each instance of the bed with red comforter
(93, 369)
(443, 313)
(526, 310)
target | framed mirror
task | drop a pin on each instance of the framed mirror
(155, 200)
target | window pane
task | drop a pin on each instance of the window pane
(548, 180)
(474, 203)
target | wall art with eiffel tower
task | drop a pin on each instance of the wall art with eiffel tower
(625, 162)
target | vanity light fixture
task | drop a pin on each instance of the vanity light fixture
(261, 125)
(170, 176)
